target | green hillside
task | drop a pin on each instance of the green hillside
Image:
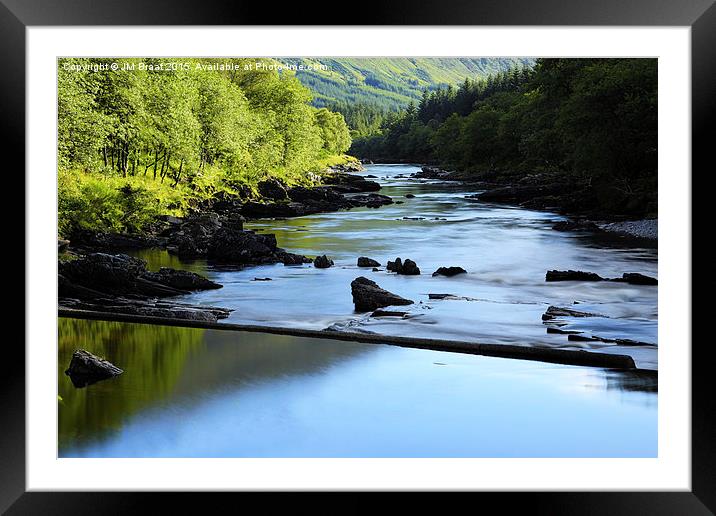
(389, 83)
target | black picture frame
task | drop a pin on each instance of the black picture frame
(700, 15)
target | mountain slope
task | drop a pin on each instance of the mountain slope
(390, 83)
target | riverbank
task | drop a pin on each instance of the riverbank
(551, 192)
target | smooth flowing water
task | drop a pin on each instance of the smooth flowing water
(208, 393)
(506, 252)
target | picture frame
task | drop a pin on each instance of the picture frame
(16, 16)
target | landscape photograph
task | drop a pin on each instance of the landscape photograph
(357, 257)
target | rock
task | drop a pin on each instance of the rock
(634, 278)
(439, 296)
(100, 241)
(376, 269)
(262, 279)
(364, 261)
(555, 311)
(410, 268)
(62, 245)
(371, 200)
(388, 313)
(149, 308)
(322, 262)
(407, 268)
(272, 189)
(560, 331)
(395, 266)
(571, 275)
(409, 196)
(86, 369)
(104, 275)
(242, 247)
(449, 271)
(183, 280)
(368, 296)
(575, 225)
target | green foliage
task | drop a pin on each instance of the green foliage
(593, 120)
(150, 137)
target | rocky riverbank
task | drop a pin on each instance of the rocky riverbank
(553, 192)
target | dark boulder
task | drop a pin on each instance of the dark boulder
(406, 268)
(364, 261)
(395, 266)
(409, 196)
(183, 280)
(449, 271)
(105, 272)
(571, 275)
(634, 278)
(556, 311)
(242, 247)
(86, 369)
(322, 262)
(368, 296)
(272, 189)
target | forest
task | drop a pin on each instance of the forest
(155, 136)
(593, 121)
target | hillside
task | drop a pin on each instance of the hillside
(390, 83)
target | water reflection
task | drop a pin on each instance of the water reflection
(195, 393)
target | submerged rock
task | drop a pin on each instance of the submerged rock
(86, 369)
(556, 311)
(634, 278)
(364, 261)
(449, 271)
(575, 225)
(322, 262)
(571, 275)
(368, 296)
(388, 313)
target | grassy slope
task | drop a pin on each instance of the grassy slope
(391, 82)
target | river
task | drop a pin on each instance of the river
(211, 393)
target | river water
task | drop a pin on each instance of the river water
(201, 393)
(506, 252)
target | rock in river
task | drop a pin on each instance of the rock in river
(634, 278)
(449, 271)
(322, 262)
(571, 275)
(86, 368)
(368, 296)
(364, 261)
(406, 268)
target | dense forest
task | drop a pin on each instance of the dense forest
(593, 121)
(143, 137)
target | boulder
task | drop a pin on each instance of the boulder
(183, 280)
(368, 296)
(575, 225)
(272, 189)
(571, 275)
(556, 311)
(634, 278)
(406, 268)
(86, 369)
(364, 261)
(409, 196)
(449, 271)
(322, 262)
